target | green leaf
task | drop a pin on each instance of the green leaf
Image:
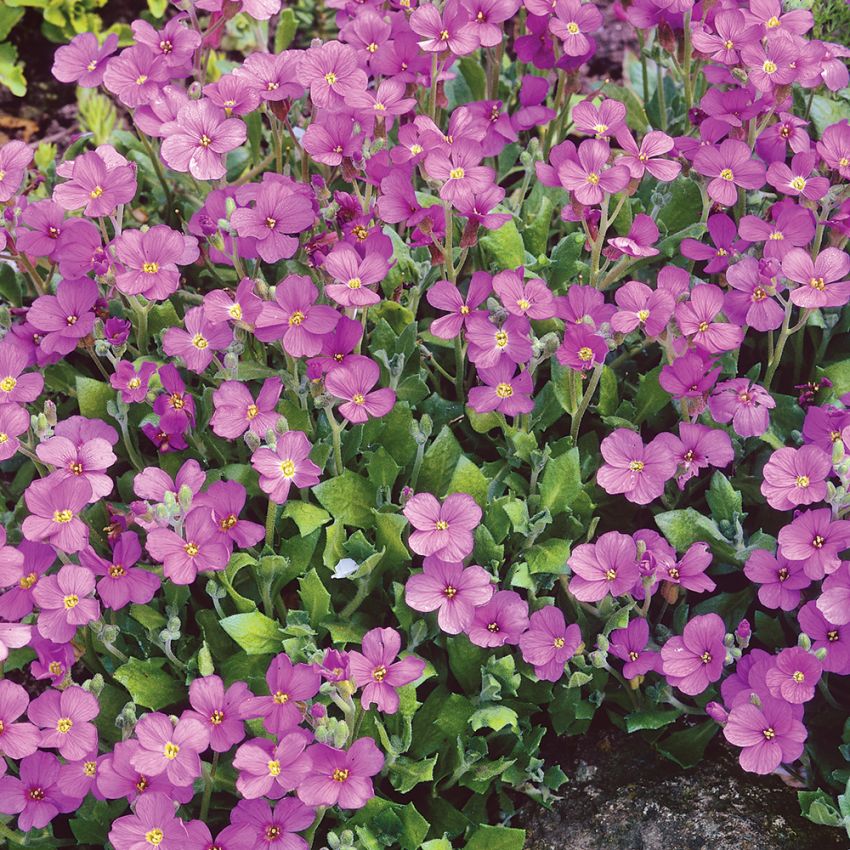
(149, 617)
(286, 26)
(686, 747)
(315, 598)
(8, 18)
(684, 527)
(306, 516)
(496, 838)
(504, 247)
(725, 501)
(635, 114)
(407, 773)
(476, 79)
(609, 398)
(468, 478)
(149, 685)
(684, 207)
(564, 260)
(494, 717)
(439, 462)
(92, 397)
(163, 316)
(12, 71)
(651, 719)
(256, 633)
(561, 482)
(819, 807)
(650, 398)
(550, 556)
(349, 498)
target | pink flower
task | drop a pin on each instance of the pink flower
(65, 318)
(337, 348)
(376, 671)
(13, 636)
(55, 513)
(198, 139)
(86, 460)
(254, 823)
(131, 382)
(794, 676)
(549, 643)
(450, 31)
(15, 386)
(15, 158)
(696, 319)
(226, 499)
(796, 180)
(629, 644)
(729, 36)
(332, 71)
(95, 187)
(172, 749)
(221, 711)
(64, 719)
(642, 307)
(814, 539)
(638, 242)
(18, 739)
(83, 60)
(236, 411)
(442, 530)
(530, 298)
(241, 306)
(153, 822)
(603, 121)
(589, 178)
(729, 165)
(697, 447)
(780, 580)
(460, 170)
(66, 601)
(290, 686)
(35, 797)
(266, 770)
(639, 472)
(608, 566)
(117, 778)
(790, 226)
(489, 343)
(796, 477)
(354, 382)
(505, 391)
(723, 233)
(150, 259)
(136, 75)
(201, 548)
(446, 296)
(331, 138)
(197, 344)
(821, 284)
(647, 156)
(14, 421)
(342, 778)
(572, 22)
(835, 639)
(122, 582)
(750, 301)
(695, 660)
(834, 601)
(745, 404)
(286, 464)
(502, 620)
(769, 734)
(834, 147)
(353, 276)
(451, 590)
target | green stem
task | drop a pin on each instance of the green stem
(157, 167)
(459, 370)
(585, 400)
(662, 103)
(271, 522)
(432, 104)
(689, 91)
(209, 778)
(336, 434)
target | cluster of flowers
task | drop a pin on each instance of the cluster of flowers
(349, 109)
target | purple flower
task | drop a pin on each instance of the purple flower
(730, 165)
(65, 318)
(629, 644)
(95, 187)
(607, 566)
(236, 411)
(769, 734)
(500, 621)
(744, 404)
(172, 749)
(353, 276)
(450, 31)
(695, 660)
(15, 158)
(820, 280)
(442, 530)
(18, 739)
(13, 636)
(66, 601)
(642, 307)
(696, 319)
(153, 822)
(780, 580)
(342, 778)
(332, 71)
(697, 447)
(150, 259)
(572, 22)
(794, 676)
(122, 582)
(198, 139)
(815, 539)
(446, 296)
(14, 421)
(117, 778)
(85, 460)
(796, 180)
(290, 685)
(55, 513)
(16, 387)
(835, 639)
(226, 499)
(136, 75)
(221, 711)
(201, 548)
(64, 719)
(460, 170)
(278, 212)
(505, 391)
(269, 770)
(376, 671)
(549, 643)
(197, 344)
(589, 177)
(83, 60)
(530, 298)
(35, 797)
(133, 384)
(795, 477)
(750, 300)
(354, 382)
(488, 342)
(647, 157)
(723, 233)
(254, 823)
(603, 121)
(53, 660)
(639, 472)
(331, 138)
(451, 590)
(175, 42)
(286, 464)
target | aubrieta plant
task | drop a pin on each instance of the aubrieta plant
(388, 394)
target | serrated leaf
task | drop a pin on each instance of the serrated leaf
(349, 498)
(561, 482)
(149, 684)
(256, 633)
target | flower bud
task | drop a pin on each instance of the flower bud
(716, 712)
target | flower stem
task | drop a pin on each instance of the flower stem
(585, 400)
(209, 778)
(271, 522)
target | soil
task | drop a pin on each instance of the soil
(622, 795)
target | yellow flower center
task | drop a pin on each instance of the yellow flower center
(141, 79)
(252, 412)
(558, 643)
(280, 698)
(330, 78)
(523, 304)
(456, 174)
(379, 673)
(727, 174)
(772, 23)
(170, 750)
(592, 178)
(372, 48)
(449, 592)
(116, 571)
(271, 223)
(705, 657)
(729, 44)
(702, 327)
(134, 383)
(610, 574)
(340, 774)
(90, 768)
(768, 67)
(769, 734)
(8, 384)
(191, 549)
(817, 283)
(501, 339)
(636, 465)
(4, 437)
(217, 717)
(776, 236)
(71, 601)
(28, 581)
(287, 468)
(354, 283)
(63, 516)
(92, 65)
(798, 676)
(358, 398)
(573, 28)
(150, 268)
(64, 725)
(643, 315)
(802, 481)
(585, 354)
(274, 768)
(200, 341)
(235, 312)
(205, 141)
(504, 390)
(798, 183)
(441, 525)
(296, 318)
(96, 192)
(155, 836)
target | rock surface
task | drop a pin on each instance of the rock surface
(622, 795)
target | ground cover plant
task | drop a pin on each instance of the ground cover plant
(380, 393)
